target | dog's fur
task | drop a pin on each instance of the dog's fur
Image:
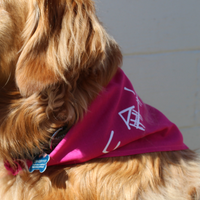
(55, 57)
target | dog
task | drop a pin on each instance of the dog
(65, 108)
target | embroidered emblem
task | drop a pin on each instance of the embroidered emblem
(130, 116)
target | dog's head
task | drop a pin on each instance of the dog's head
(55, 57)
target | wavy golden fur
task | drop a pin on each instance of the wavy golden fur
(55, 57)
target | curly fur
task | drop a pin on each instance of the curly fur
(55, 57)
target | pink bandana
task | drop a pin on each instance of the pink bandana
(117, 123)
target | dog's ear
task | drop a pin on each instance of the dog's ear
(37, 67)
(61, 39)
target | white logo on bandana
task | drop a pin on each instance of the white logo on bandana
(109, 141)
(133, 117)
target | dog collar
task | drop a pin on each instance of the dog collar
(117, 123)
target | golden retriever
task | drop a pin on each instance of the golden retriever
(55, 59)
